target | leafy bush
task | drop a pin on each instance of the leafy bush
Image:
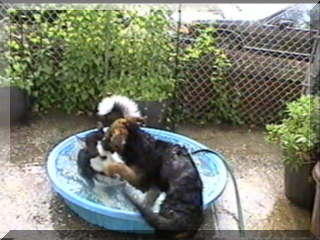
(204, 54)
(73, 61)
(298, 134)
(145, 49)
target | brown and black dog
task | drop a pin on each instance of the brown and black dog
(165, 166)
(95, 160)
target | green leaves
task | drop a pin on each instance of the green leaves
(142, 66)
(298, 134)
(72, 61)
(204, 61)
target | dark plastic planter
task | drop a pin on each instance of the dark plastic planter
(300, 186)
(156, 112)
(14, 103)
(315, 224)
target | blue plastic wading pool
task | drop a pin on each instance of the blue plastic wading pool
(62, 171)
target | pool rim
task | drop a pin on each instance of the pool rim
(112, 212)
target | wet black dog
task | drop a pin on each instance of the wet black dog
(169, 168)
(87, 154)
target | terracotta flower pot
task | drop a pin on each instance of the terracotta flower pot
(299, 186)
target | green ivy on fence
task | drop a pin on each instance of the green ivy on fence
(82, 55)
(70, 59)
(224, 103)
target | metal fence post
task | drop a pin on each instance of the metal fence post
(313, 79)
(176, 72)
(313, 75)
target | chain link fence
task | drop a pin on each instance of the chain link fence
(268, 60)
(269, 57)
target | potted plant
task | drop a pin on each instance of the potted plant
(14, 102)
(298, 139)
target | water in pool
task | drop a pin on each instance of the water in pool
(110, 195)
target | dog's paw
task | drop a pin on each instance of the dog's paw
(97, 164)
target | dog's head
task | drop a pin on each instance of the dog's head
(119, 131)
(91, 141)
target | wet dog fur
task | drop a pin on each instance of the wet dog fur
(96, 161)
(167, 167)
(86, 154)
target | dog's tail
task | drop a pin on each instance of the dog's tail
(122, 104)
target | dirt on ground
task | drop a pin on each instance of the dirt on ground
(29, 203)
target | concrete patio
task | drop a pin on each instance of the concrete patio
(28, 202)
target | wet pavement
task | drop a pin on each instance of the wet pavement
(259, 173)
(28, 202)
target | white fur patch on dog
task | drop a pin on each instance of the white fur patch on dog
(97, 164)
(128, 106)
(116, 158)
(101, 150)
